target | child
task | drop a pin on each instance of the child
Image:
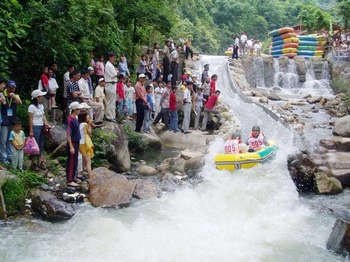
(53, 86)
(73, 139)
(148, 111)
(198, 105)
(86, 146)
(130, 99)
(17, 139)
(121, 94)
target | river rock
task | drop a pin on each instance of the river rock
(152, 141)
(57, 139)
(327, 185)
(145, 170)
(338, 160)
(339, 239)
(193, 160)
(343, 175)
(273, 97)
(117, 151)
(195, 140)
(50, 208)
(337, 142)
(109, 189)
(342, 126)
(302, 169)
(146, 189)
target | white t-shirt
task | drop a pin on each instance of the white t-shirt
(129, 92)
(110, 73)
(53, 86)
(38, 114)
(82, 133)
(99, 93)
(84, 88)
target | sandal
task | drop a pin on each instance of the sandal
(73, 184)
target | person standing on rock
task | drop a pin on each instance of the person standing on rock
(205, 73)
(141, 102)
(164, 102)
(213, 80)
(173, 111)
(111, 78)
(129, 99)
(206, 88)
(198, 105)
(209, 108)
(187, 106)
(149, 109)
(73, 140)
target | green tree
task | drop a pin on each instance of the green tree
(343, 8)
(314, 18)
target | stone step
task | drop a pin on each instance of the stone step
(338, 160)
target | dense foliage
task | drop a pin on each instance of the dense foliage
(34, 33)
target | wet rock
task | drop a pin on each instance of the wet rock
(109, 189)
(196, 140)
(342, 126)
(146, 189)
(145, 170)
(187, 154)
(328, 143)
(264, 100)
(152, 141)
(337, 142)
(339, 239)
(57, 140)
(338, 160)
(169, 182)
(327, 185)
(302, 169)
(343, 175)
(313, 100)
(273, 97)
(47, 206)
(116, 148)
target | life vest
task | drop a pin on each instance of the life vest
(256, 143)
(232, 146)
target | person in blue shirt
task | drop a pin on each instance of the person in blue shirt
(148, 110)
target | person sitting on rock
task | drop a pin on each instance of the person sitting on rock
(256, 140)
(234, 144)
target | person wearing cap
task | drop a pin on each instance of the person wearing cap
(209, 108)
(141, 102)
(37, 122)
(111, 78)
(8, 112)
(73, 140)
(100, 98)
(256, 140)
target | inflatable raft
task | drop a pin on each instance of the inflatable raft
(244, 160)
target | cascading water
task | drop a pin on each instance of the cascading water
(250, 215)
(287, 79)
(258, 64)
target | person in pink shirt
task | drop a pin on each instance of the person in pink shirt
(100, 68)
(213, 80)
(44, 78)
(209, 108)
(141, 102)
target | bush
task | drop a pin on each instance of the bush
(101, 140)
(340, 85)
(17, 190)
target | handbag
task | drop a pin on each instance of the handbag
(31, 147)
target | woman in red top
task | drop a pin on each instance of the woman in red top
(213, 84)
(121, 94)
(173, 110)
(45, 79)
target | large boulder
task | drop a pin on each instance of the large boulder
(338, 160)
(342, 126)
(56, 143)
(152, 141)
(343, 175)
(327, 185)
(146, 189)
(109, 189)
(302, 171)
(47, 206)
(115, 146)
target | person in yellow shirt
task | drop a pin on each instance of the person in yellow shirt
(17, 140)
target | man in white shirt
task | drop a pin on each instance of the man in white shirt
(111, 79)
(187, 106)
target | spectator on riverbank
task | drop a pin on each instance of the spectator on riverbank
(198, 105)
(130, 99)
(8, 112)
(73, 141)
(141, 102)
(100, 99)
(123, 66)
(209, 108)
(155, 61)
(164, 103)
(73, 91)
(174, 121)
(100, 68)
(37, 126)
(187, 106)
(149, 109)
(121, 95)
(213, 80)
(44, 79)
(111, 78)
(86, 147)
(205, 73)
(17, 139)
(53, 86)
(142, 66)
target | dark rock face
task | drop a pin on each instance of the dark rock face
(109, 189)
(50, 208)
(302, 170)
(58, 136)
(116, 148)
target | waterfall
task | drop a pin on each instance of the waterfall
(288, 79)
(314, 86)
(325, 71)
(258, 63)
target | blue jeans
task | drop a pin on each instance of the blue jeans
(5, 149)
(39, 138)
(174, 121)
(147, 120)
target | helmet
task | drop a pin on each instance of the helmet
(236, 133)
(255, 128)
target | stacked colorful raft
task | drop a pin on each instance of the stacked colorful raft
(311, 45)
(284, 42)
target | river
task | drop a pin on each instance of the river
(251, 215)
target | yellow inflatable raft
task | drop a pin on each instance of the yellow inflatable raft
(244, 160)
